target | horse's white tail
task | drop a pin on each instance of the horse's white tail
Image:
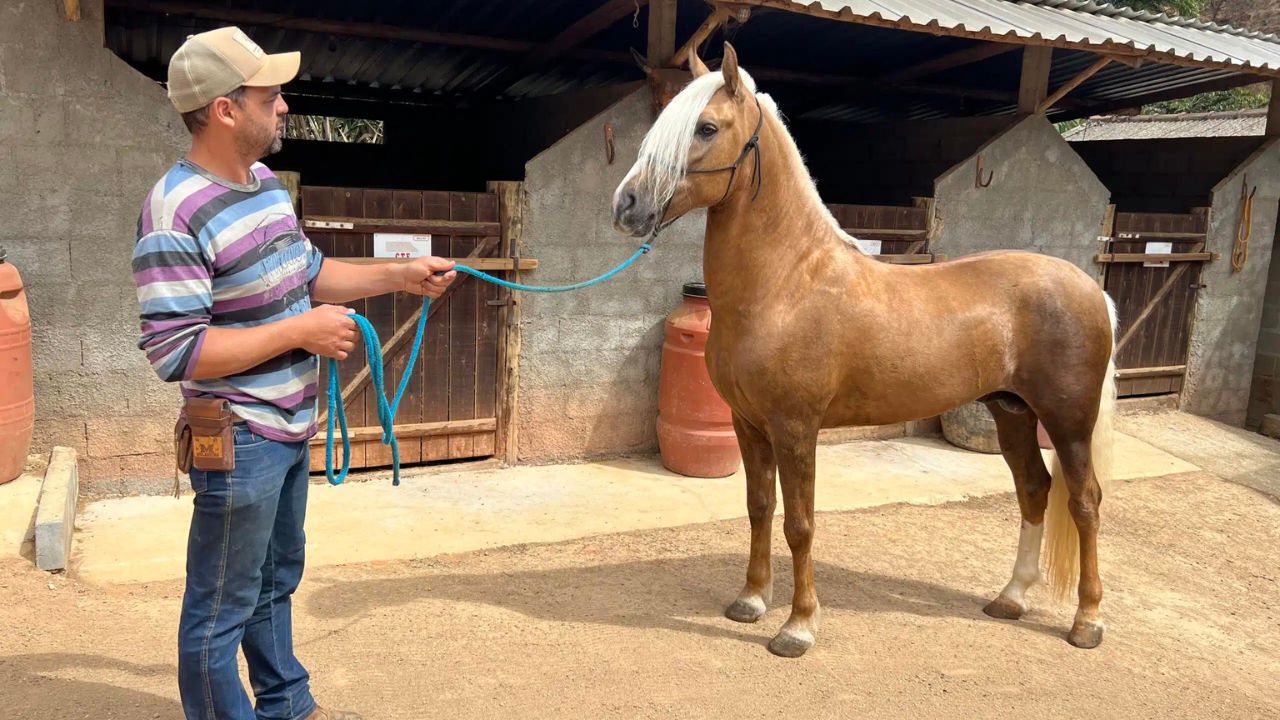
(1062, 539)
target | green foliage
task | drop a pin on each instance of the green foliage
(1181, 8)
(1242, 98)
(332, 129)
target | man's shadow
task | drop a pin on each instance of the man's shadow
(33, 690)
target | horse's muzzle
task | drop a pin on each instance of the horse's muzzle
(633, 214)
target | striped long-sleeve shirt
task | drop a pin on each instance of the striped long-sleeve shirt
(211, 253)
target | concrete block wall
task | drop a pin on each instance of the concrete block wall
(1042, 197)
(589, 360)
(1227, 327)
(82, 138)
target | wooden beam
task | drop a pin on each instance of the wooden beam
(1150, 372)
(870, 85)
(416, 430)
(1156, 257)
(1072, 84)
(1034, 82)
(1085, 106)
(69, 9)
(486, 264)
(511, 212)
(662, 33)
(1273, 111)
(377, 31)
(344, 224)
(717, 18)
(969, 55)
(571, 37)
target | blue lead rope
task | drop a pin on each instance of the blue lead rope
(373, 351)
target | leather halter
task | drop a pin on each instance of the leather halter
(753, 143)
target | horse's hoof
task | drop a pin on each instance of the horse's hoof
(1004, 608)
(746, 609)
(791, 643)
(1086, 634)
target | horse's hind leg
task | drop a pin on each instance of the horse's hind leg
(795, 448)
(762, 481)
(1016, 428)
(1085, 497)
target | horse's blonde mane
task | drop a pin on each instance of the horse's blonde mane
(664, 153)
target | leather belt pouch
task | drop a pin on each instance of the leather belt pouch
(204, 437)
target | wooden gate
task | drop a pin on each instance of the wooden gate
(1154, 303)
(899, 235)
(455, 405)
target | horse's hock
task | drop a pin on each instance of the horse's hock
(971, 427)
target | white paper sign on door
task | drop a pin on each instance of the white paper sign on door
(401, 245)
(870, 247)
(1158, 248)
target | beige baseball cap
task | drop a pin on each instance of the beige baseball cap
(214, 63)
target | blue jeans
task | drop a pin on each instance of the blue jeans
(244, 560)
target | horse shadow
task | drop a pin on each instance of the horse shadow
(32, 688)
(675, 594)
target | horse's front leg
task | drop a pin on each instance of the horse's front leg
(796, 450)
(761, 470)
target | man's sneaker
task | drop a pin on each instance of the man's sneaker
(322, 714)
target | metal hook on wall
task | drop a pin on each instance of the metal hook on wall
(608, 142)
(978, 182)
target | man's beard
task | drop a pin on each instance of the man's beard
(263, 141)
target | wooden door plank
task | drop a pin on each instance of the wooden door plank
(462, 342)
(380, 310)
(407, 205)
(435, 360)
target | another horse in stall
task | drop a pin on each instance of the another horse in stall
(811, 332)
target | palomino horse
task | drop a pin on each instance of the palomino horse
(810, 332)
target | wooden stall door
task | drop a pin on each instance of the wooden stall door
(1154, 304)
(903, 233)
(450, 406)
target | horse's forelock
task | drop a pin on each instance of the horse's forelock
(664, 153)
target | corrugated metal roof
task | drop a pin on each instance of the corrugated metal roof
(1234, 123)
(1071, 23)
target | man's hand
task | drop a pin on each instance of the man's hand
(419, 276)
(327, 330)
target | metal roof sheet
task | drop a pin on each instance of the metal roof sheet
(1071, 23)
(1233, 123)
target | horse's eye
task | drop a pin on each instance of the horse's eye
(706, 131)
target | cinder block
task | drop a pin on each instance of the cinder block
(124, 435)
(56, 514)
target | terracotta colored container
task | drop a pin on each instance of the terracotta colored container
(17, 391)
(695, 426)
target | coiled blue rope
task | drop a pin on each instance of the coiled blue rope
(373, 351)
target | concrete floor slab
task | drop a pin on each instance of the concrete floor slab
(143, 539)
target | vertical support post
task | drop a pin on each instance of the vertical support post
(511, 215)
(291, 182)
(662, 32)
(1273, 111)
(1034, 84)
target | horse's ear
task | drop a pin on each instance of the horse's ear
(729, 66)
(696, 66)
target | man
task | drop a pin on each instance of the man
(226, 280)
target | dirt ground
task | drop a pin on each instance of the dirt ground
(630, 626)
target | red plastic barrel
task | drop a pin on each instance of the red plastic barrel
(17, 391)
(695, 426)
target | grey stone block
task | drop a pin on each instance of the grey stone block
(1270, 425)
(56, 513)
